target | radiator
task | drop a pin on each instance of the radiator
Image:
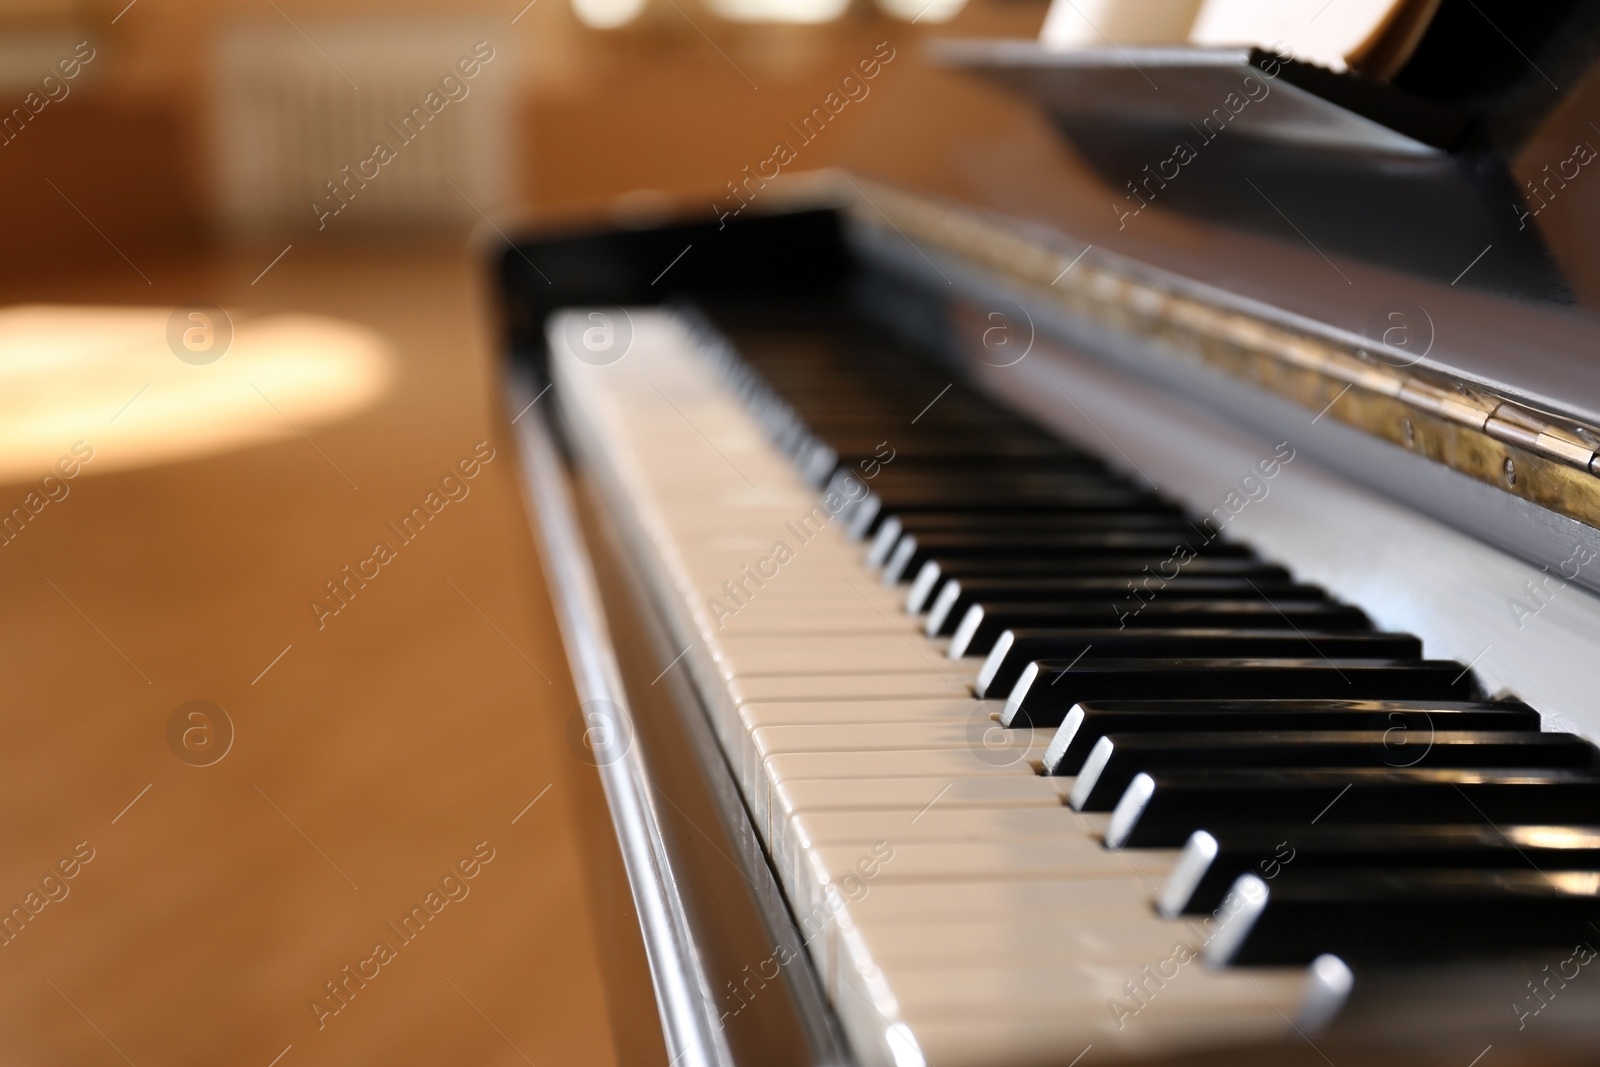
(299, 108)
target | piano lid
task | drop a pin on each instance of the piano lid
(1441, 167)
(1387, 215)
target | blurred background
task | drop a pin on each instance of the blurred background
(190, 124)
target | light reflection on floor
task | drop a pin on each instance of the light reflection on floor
(146, 385)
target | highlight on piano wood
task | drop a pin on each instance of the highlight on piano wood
(866, 533)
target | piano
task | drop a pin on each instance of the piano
(1005, 638)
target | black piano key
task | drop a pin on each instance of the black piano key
(1009, 658)
(875, 442)
(874, 467)
(1116, 758)
(893, 526)
(852, 445)
(1403, 720)
(1160, 809)
(956, 596)
(962, 482)
(848, 398)
(932, 574)
(984, 624)
(1043, 697)
(914, 464)
(845, 414)
(865, 514)
(1403, 916)
(1057, 491)
(1153, 546)
(1211, 862)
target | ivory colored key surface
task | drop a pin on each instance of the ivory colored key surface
(1082, 856)
(913, 796)
(777, 599)
(976, 736)
(730, 693)
(939, 823)
(1110, 952)
(1000, 940)
(947, 764)
(872, 904)
(921, 794)
(864, 737)
(775, 615)
(806, 831)
(950, 1040)
(930, 861)
(923, 905)
(831, 621)
(753, 717)
(768, 688)
(891, 763)
(1051, 990)
(1070, 1007)
(756, 563)
(926, 711)
(807, 578)
(821, 621)
(853, 712)
(744, 657)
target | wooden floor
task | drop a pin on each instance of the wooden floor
(409, 734)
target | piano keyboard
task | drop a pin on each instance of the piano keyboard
(1033, 780)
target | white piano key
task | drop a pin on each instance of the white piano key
(771, 611)
(766, 689)
(798, 833)
(935, 763)
(973, 861)
(857, 654)
(817, 622)
(1143, 998)
(889, 903)
(914, 797)
(885, 863)
(1032, 1041)
(883, 542)
(891, 763)
(880, 904)
(948, 765)
(823, 878)
(752, 717)
(992, 745)
(847, 712)
(806, 830)
(917, 795)
(763, 568)
(970, 734)
(1038, 988)
(726, 696)
(827, 828)
(1003, 939)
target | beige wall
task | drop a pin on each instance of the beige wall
(595, 114)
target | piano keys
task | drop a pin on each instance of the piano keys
(991, 805)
